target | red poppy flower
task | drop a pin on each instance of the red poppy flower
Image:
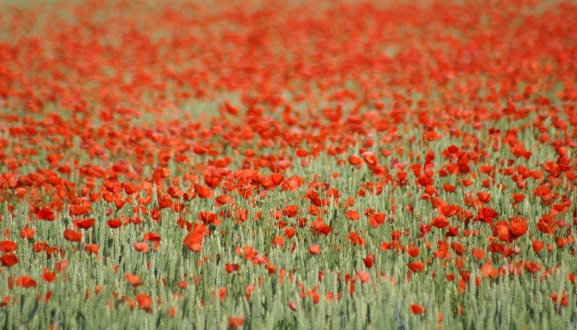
(141, 246)
(46, 214)
(72, 235)
(413, 251)
(563, 301)
(417, 309)
(235, 322)
(195, 238)
(9, 260)
(26, 282)
(83, 224)
(8, 246)
(222, 293)
(369, 260)
(356, 239)
(363, 276)
(114, 223)
(144, 302)
(133, 280)
(92, 248)
(416, 266)
(370, 158)
(27, 233)
(153, 237)
(440, 222)
(203, 191)
(290, 232)
(278, 241)
(48, 276)
(537, 245)
(231, 268)
(314, 249)
(355, 160)
(352, 215)
(376, 219)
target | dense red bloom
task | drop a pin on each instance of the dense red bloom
(285, 130)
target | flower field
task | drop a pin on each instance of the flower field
(288, 164)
